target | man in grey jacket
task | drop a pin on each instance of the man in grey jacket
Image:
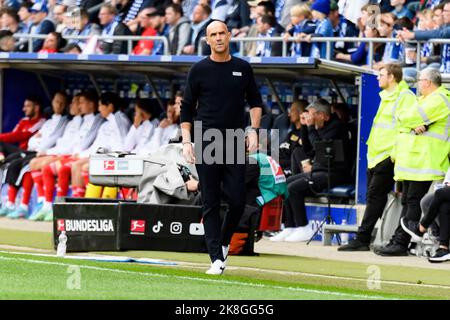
(180, 28)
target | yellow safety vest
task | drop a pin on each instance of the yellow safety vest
(384, 128)
(424, 157)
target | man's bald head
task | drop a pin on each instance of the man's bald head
(216, 25)
(218, 37)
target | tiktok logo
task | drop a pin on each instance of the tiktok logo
(157, 227)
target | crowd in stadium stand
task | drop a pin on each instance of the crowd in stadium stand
(184, 23)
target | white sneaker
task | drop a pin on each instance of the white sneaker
(301, 234)
(217, 268)
(282, 235)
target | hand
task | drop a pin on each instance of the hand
(307, 168)
(137, 119)
(303, 118)
(188, 153)
(192, 185)
(189, 49)
(286, 36)
(420, 130)
(235, 32)
(41, 154)
(164, 123)
(309, 119)
(307, 38)
(252, 141)
(405, 35)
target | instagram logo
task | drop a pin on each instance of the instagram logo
(176, 228)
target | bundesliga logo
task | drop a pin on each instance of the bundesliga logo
(137, 227)
(105, 225)
(109, 165)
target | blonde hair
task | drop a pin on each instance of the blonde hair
(301, 9)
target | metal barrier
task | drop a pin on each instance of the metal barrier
(129, 39)
(328, 42)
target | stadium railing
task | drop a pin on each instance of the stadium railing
(329, 41)
(128, 39)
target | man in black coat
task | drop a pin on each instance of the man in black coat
(322, 126)
(111, 27)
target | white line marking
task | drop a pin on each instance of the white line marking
(282, 272)
(227, 282)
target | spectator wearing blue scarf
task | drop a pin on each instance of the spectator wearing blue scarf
(320, 12)
(301, 23)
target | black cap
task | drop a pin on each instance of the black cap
(159, 12)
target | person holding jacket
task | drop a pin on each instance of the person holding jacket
(421, 152)
(396, 98)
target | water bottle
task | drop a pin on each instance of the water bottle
(62, 244)
(344, 236)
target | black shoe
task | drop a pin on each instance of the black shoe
(441, 255)
(392, 250)
(412, 228)
(354, 245)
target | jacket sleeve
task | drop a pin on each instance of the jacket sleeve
(435, 110)
(442, 33)
(190, 98)
(120, 47)
(51, 141)
(183, 37)
(21, 134)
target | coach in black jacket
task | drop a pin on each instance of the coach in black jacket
(112, 27)
(321, 126)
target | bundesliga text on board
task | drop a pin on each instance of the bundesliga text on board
(86, 225)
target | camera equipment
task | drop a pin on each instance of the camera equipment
(329, 152)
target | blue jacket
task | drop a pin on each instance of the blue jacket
(324, 29)
(441, 33)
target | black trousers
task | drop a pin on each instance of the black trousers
(8, 149)
(440, 207)
(300, 186)
(380, 181)
(215, 179)
(298, 155)
(15, 163)
(413, 192)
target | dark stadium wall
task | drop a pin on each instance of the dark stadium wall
(17, 85)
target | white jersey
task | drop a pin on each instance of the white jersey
(87, 133)
(138, 137)
(51, 130)
(160, 137)
(66, 143)
(111, 134)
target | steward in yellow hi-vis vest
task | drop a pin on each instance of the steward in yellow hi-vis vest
(424, 157)
(384, 128)
(421, 153)
(395, 99)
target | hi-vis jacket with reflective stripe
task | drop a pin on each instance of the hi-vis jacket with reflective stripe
(384, 128)
(424, 157)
